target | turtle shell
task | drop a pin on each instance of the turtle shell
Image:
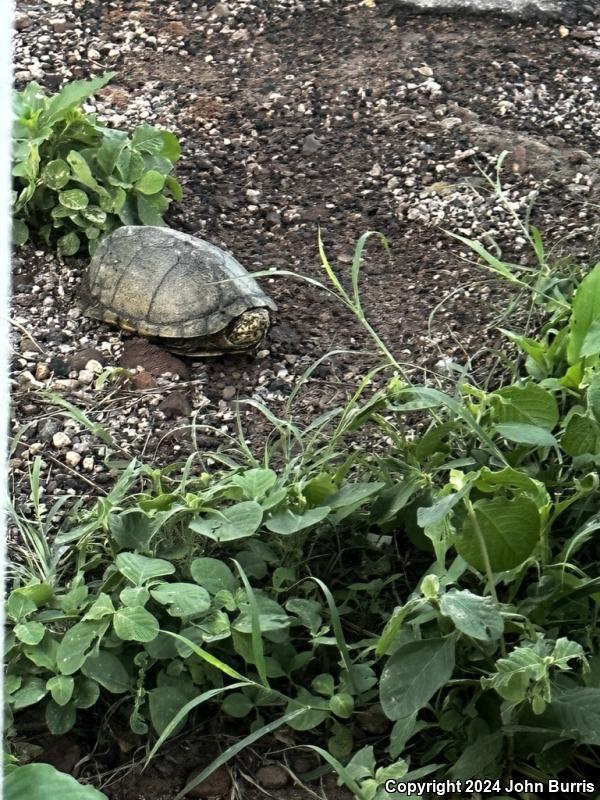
(160, 282)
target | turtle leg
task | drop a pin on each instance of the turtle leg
(249, 328)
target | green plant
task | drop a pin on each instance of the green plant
(277, 586)
(76, 180)
(40, 781)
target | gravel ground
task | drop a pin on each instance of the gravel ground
(289, 118)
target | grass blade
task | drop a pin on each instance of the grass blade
(257, 644)
(237, 748)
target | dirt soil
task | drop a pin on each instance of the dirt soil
(294, 116)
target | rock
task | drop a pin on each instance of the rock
(273, 218)
(22, 21)
(311, 144)
(72, 458)
(59, 367)
(26, 379)
(82, 358)
(524, 9)
(153, 359)
(176, 404)
(47, 429)
(216, 785)
(85, 376)
(220, 10)
(542, 157)
(88, 463)
(61, 439)
(272, 777)
(116, 96)
(59, 25)
(93, 366)
(176, 28)
(229, 392)
(42, 372)
(143, 380)
(66, 384)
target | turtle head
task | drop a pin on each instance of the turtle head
(249, 328)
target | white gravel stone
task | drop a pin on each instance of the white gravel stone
(61, 439)
(72, 458)
(85, 376)
(93, 366)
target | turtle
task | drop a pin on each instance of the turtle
(180, 291)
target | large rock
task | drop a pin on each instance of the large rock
(523, 9)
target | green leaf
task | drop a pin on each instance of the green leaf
(165, 703)
(29, 694)
(478, 757)
(591, 343)
(150, 183)
(147, 139)
(60, 718)
(76, 643)
(236, 522)
(19, 605)
(578, 711)
(523, 433)
(69, 244)
(213, 575)
(131, 528)
(72, 94)
(61, 688)
(342, 705)
(323, 684)
(529, 404)
(30, 632)
(141, 569)
(255, 483)
(134, 596)
(101, 607)
(86, 692)
(585, 313)
(174, 187)
(582, 436)
(94, 214)
(42, 781)
(108, 670)
(74, 199)
(510, 531)
(287, 522)
(182, 599)
(352, 494)
(237, 705)
(272, 616)
(593, 395)
(413, 674)
(135, 624)
(170, 146)
(56, 174)
(44, 654)
(110, 149)
(514, 672)
(20, 232)
(151, 208)
(473, 615)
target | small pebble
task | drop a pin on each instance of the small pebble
(61, 439)
(72, 458)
